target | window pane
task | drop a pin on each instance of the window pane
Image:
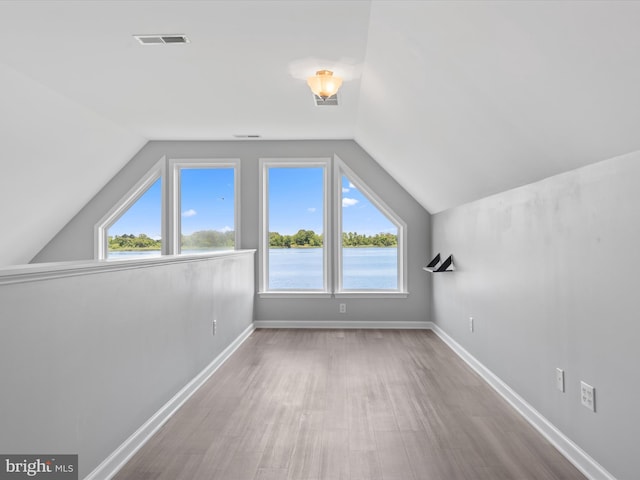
(296, 228)
(207, 201)
(138, 231)
(369, 243)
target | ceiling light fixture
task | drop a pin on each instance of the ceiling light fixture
(324, 84)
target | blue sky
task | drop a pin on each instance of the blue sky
(207, 199)
(295, 202)
(144, 216)
(360, 215)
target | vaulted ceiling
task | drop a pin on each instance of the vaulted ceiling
(457, 100)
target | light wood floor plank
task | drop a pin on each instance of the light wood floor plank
(346, 405)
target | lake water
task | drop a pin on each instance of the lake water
(301, 268)
(364, 268)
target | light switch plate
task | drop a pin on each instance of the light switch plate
(560, 379)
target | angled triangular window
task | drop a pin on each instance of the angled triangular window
(134, 226)
(371, 240)
(138, 231)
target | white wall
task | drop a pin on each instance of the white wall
(86, 359)
(75, 241)
(549, 273)
(55, 155)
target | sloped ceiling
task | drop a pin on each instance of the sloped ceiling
(457, 100)
(460, 100)
(55, 156)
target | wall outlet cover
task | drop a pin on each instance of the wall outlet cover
(588, 396)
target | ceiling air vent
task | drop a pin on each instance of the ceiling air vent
(331, 101)
(246, 135)
(161, 39)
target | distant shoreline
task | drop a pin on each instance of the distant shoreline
(222, 248)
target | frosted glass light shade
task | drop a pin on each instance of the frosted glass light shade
(324, 84)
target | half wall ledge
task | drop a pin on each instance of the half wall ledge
(44, 271)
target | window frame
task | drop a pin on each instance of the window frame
(101, 229)
(174, 212)
(340, 169)
(263, 252)
(334, 169)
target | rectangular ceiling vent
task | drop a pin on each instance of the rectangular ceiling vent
(246, 135)
(332, 101)
(161, 39)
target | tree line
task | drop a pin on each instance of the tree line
(216, 239)
(197, 240)
(209, 239)
(133, 242)
(308, 238)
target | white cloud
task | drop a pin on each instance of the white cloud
(226, 228)
(351, 185)
(349, 202)
(189, 213)
(311, 209)
(345, 189)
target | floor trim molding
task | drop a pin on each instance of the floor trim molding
(578, 457)
(114, 462)
(342, 324)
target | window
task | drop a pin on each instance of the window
(200, 206)
(370, 238)
(138, 231)
(294, 219)
(366, 250)
(205, 213)
(134, 226)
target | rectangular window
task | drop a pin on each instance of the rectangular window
(207, 210)
(204, 205)
(294, 253)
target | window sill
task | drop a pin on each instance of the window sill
(354, 294)
(294, 294)
(371, 294)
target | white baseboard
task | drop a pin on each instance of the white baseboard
(347, 324)
(578, 457)
(114, 462)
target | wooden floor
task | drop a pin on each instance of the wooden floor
(346, 404)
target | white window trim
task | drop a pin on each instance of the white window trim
(174, 213)
(101, 228)
(340, 168)
(294, 293)
(263, 251)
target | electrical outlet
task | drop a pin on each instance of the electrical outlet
(343, 308)
(588, 396)
(560, 379)
(214, 327)
(471, 324)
